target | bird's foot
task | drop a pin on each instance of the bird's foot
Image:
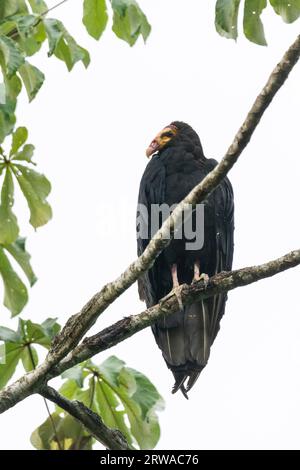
(177, 293)
(201, 277)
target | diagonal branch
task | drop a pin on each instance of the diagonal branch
(79, 324)
(111, 438)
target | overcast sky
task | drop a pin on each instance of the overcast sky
(91, 128)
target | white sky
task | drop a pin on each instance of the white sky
(91, 129)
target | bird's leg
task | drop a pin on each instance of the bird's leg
(176, 284)
(197, 275)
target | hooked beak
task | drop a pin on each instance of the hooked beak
(153, 147)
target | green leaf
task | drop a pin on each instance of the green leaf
(111, 368)
(19, 137)
(29, 358)
(50, 327)
(9, 229)
(140, 408)
(7, 118)
(15, 292)
(40, 334)
(69, 52)
(226, 15)
(63, 45)
(13, 88)
(38, 6)
(253, 27)
(106, 404)
(13, 352)
(6, 334)
(95, 17)
(288, 10)
(145, 393)
(71, 434)
(12, 7)
(54, 30)
(129, 21)
(18, 251)
(25, 154)
(32, 78)
(35, 188)
(74, 374)
(43, 438)
(11, 56)
(120, 394)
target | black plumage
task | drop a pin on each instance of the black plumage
(178, 165)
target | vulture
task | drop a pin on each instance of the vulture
(177, 164)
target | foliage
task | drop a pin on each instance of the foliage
(124, 399)
(24, 27)
(227, 14)
(19, 345)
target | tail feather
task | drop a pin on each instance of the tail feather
(185, 338)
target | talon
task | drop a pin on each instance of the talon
(197, 276)
(205, 278)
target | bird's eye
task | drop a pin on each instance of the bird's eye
(167, 134)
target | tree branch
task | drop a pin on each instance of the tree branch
(128, 326)
(111, 438)
(77, 325)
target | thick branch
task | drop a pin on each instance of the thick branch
(128, 326)
(111, 438)
(79, 324)
(114, 334)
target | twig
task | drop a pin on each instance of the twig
(14, 32)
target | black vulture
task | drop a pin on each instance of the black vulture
(176, 166)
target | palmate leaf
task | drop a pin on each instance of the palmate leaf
(63, 45)
(19, 345)
(124, 399)
(95, 17)
(129, 21)
(35, 187)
